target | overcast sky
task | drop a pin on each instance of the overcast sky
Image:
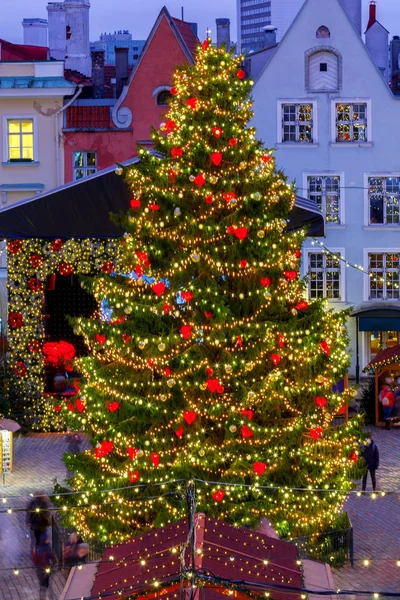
(139, 15)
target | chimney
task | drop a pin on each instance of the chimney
(98, 73)
(35, 32)
(121, 69)
(269, 35)
(372, 14)
(395, 64)
(223, 33)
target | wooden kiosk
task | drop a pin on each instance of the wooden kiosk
(385, 364)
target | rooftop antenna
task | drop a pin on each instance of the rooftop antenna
(182, 13)
(208, 33)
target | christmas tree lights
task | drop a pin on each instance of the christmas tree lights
(208, 362)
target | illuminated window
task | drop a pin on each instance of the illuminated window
(85, 164)
(20, 140)
(385, 270)
(351, 122)
(324, 276)
(297, 123)
(384, 196)
(325, 191)
(323, 32)
(163, 98)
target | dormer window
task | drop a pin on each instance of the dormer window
(323, 32)
(323, 69)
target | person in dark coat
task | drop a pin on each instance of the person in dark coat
(38, 516)
(44, 559)
(370, 454)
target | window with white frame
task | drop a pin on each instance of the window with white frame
(324, 276)
(85, 164)
(297, 123)
(20, 139)
(384, 275)
(325, 191)
(351, 122)
(383, 199)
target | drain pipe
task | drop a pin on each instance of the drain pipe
(62, 109)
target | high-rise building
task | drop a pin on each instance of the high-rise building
(254, 15)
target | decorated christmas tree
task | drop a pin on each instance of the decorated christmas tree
(207, 363)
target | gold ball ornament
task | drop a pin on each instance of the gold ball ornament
(257, 196)
(251, 396)
(294, 312)
(249, 366)
(203, 386)
(141, 345)
(195, 257)
(128, 310)
(171, 383)
(118, 171)
(228, 368)
(177, 211)
(212, 179)
(140, 452)
(161, 346)
(267, 294)
(192, 178)
(201, 452)
(163, 398)
(261, 233)
(232, 428)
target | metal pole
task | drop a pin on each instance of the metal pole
(357, 353)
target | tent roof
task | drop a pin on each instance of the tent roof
(383, 358)
(222, 549)
(81, 209)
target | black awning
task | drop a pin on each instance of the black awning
(377, 316)
(82, 210)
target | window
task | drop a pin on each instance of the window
(163, 98)
(323, 32)
(325, 191)
(324, 276)
(384, 276)
(384, 197)
(323, 67)
(20, 140)
(297, 123)
(351, 122)
(85, 164)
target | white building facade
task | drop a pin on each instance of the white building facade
(324, 106)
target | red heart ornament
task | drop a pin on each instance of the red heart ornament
(216, 158)
(199, 180)
(80, 406)
(241, 233)
(316, 433)
(281, 341)
(276, 359)
(176, 152)
(187, 296)
(265, 158)
(220, 389)
(167, 371)
(247, 412)
(217, 132)
(158, 288)
(265, 281)
(325, 347)
(166, 308)
(134, 476)
(320, 401)
(154, 206)
(205, 44)
(342, 410)
(209, 199)
(354, 456)
(126, 338)
(100, 338)
(246, 432)
(259, 467)
(229, 196)
(155, 458)
(139, 270)
(135, 203)
(209, 371)
(192, 103)
(179, 432)
(218, 495)
(57, 408)
(132, 452)
(231, 229)
(113, 406)
(213, 384)
(243, 263)
(290, 275)
(186, 331)
(232, 142)
(189, 416)
(241, 74)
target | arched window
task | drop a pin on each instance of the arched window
(323, 32)
(163, 97)
(323, 69)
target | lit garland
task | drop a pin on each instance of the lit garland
(209, 363)
(29, 264)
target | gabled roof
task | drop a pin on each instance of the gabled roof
(17, 52)
(383, 358)
(376, 22)
(222, 550)
(187, 34)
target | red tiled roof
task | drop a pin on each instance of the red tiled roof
(384, 357)
(9, 51)
(187, 34)
(228, 552)
(77, 77)
(87, 117)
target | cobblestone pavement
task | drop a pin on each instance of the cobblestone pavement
(37, 460)
(376, 525)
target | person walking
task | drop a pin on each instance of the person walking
(44, 560)
(38, 517)
(370, 454)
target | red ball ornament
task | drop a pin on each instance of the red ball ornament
(189, 416)
(209, 199)
(220, 389)
(276, 359)
(134, 476)
(100, 338)
(166, 308)
(259, 468)
(107, 267)
(170, 126)
(354, 456)
(65, 269)
(342, 409)
(176, 152)
(192, 102)
(172, 175)
(321, 401)
(243, 263)
(239, 341)
(246, 431)
(199, 180)
(158, 288)
(208, 315)
(71, 407)
(302, 305)
(265, 281)
(135, 203)
(126, 338)
(241, 74)
(173, 91)
(229, 196)
(281, 341)
(36, 260)
(153, 206)
(167, 371)
(155, 458)
(316, 433)
(209, 371)
(290, 275)
(217, 132)
(205, 44)
(325, 347)
(241, 233)
(218, 495)
(216, 158)
(80, 406)
(180, 431)
(57, 408)
(139, 270)
(186, 331)
(187, 296)
(113, 406)
(132, 452)
(298, 254)
(247, 412)
(232, 141)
